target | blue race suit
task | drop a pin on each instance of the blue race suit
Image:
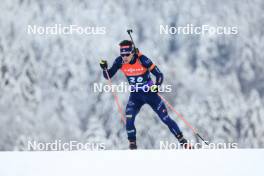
(138, 73)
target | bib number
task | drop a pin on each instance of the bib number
(135, 80)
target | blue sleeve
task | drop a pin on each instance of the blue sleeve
(115, 67)
(158, 75)
(146, 62)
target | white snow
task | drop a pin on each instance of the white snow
(243, 162)
(46, 81)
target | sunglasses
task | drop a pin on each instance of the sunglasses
(125, 55)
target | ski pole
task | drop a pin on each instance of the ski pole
(195, 131)
(116, 98)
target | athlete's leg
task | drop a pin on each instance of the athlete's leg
(133, 106)
(159, 107)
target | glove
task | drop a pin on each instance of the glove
(154, 88)
(103, 64)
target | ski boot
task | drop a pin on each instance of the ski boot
(132, 145)
(184, 143)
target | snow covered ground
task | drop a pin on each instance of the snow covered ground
(243, 162)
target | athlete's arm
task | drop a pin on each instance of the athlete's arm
(112, 71)
(159, 76)
(146, 62)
